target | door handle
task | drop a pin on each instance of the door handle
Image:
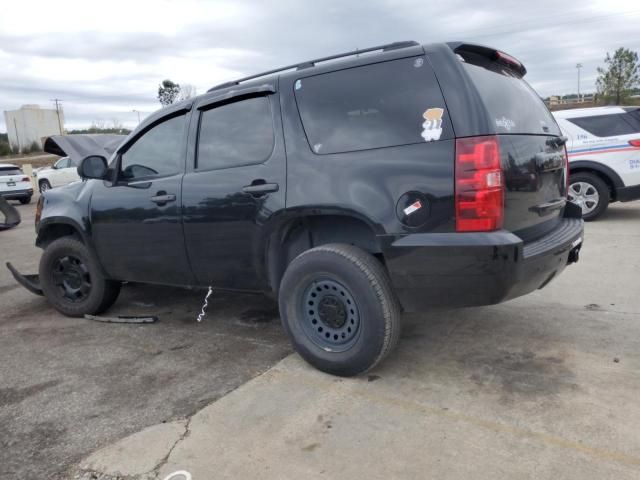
(260, 188)
(163, 198)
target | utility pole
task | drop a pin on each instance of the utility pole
(138, 112)
(57, 101)
(578, 66)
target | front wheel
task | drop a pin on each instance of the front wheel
(44, 186)
(72, 280)
(590, 193)
(338, 308)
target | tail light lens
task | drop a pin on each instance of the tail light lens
(479, 185)
(635, 142)
(25, 179)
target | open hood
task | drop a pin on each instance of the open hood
(78, 147)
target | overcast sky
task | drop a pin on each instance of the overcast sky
(104, 59)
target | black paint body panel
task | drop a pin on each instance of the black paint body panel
(218, 233)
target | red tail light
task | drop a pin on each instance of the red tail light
(635, 142)
(24, 179)
(479, 185)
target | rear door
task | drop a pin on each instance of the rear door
(234, 183)
(532, 155)
(616, 142)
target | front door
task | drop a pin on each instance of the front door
(234, 183)
(136, 222)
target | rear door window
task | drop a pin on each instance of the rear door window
(373, 106)
(608, 125)
(239, 133)
(513, 106)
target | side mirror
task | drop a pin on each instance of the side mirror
(93, 166)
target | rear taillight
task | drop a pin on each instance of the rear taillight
(479, 185)
(635, 142)
(24, 179)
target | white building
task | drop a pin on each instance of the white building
(31, 124)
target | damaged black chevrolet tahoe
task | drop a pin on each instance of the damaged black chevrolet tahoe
(352, 187)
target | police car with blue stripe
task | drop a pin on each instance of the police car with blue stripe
(604, 156)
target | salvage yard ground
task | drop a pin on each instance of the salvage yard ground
(545, 386)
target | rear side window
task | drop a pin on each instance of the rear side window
(10, 171)
(373, 106)
(239, 133)
(608, 125)
(513, 106)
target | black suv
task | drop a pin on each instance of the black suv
(352, 187)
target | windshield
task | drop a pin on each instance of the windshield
(513, 106)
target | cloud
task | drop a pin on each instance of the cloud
(105, 60)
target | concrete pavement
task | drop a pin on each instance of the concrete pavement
(69, 386)
(545, 386)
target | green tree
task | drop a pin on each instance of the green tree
(168, 92)
(620, 75)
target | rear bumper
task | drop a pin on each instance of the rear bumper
(471, 269)
(627, 194)
(17, 194)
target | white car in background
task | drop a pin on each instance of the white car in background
(15, 185)
(63, 172)
(604, 156)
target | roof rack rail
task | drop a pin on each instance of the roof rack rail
(312, 63)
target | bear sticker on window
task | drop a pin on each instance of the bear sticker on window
(432, 126)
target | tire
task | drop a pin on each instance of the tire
(72, 280)
(44, 185)
(330, 335)
(585, 189)
(25, 200)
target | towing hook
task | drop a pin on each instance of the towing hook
(574, 256)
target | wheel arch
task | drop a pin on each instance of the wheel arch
(52, 228)
(607, 174)
(310, 228)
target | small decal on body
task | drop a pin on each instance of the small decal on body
(417, 205)
(432, 126)
(505, 123)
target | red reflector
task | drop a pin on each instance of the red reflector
(635, 142)
(479, 185)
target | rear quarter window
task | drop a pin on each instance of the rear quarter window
(512, 105)
(372, 106)
(608, 125)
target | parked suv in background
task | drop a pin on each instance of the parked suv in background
(350, 187)
(63, 172)
(604, 156)
(15, 185)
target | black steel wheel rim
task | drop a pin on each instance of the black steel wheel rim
(71, 277)
(329, 315)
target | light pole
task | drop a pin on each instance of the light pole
(138, 112)
(578, 67)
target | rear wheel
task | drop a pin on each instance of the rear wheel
(339, 310)
(72, 280)
(590, 193)
(44, 185)
(25, 200)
